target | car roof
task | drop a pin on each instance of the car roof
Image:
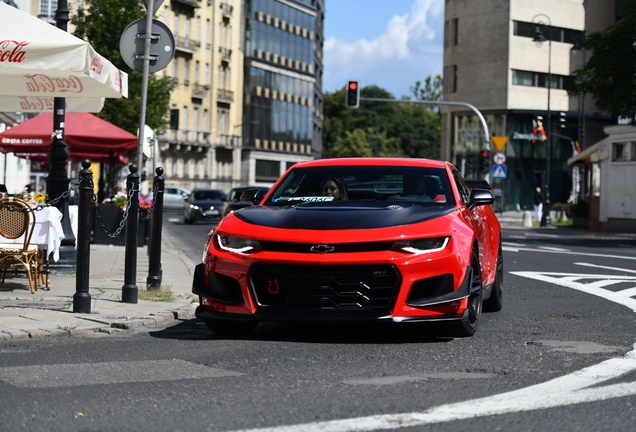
(374, 161)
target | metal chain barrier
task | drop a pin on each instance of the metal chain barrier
(145, 214)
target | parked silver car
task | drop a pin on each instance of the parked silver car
(173, 197)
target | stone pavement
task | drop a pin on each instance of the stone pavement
(50, 313)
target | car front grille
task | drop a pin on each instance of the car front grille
(340, 287)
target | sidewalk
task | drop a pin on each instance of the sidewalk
(50, 313)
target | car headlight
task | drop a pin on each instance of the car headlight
(237, 244)
(194, 207)
(421, 246)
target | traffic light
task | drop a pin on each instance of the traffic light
(352, 94)
(484, 162)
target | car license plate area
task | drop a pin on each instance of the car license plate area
(325, 286)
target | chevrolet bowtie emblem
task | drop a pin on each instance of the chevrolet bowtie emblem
(322, 248)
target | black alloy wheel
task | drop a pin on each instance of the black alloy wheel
(495, 301)
(470, 322)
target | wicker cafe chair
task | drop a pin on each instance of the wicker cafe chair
(15, 221)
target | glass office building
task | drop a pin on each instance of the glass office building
(282, 105)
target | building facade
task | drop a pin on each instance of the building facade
(492, 61)
(282, 100)
(248, 103)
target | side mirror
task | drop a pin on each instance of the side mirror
(480, 197)
(252, 196)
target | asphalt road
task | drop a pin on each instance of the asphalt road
(559, 356)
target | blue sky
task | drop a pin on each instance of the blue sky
(390, 43)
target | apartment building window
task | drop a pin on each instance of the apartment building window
(165, 14)
(557, 34)
(175, 25)
(455, 31)
(184, 120)
(208, 33)
(204, 126)
(48, 8)
(223, 117)
(454, 78)
(620, 152)
(540, 79)
(188, 22)
(206, 75)
(186, 71)
(267, 170)
(198, 30)
(196, 72)
(174, 119)
(195, 119)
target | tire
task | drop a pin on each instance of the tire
(495, 301)
(230, 328)
(470, 322)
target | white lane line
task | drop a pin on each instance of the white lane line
(606, 267)
(566, 390)
(517, 249)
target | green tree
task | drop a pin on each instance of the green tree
(610, 74)
(101, 23)
(430, 91)
(408, 130)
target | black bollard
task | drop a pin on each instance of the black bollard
(156, 224)
(130, 292)
(82, 298)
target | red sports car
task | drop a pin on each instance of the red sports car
(356, 239)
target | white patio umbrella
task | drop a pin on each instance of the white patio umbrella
(39, 60)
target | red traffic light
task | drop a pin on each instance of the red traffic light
(352, 96)
(484, 153)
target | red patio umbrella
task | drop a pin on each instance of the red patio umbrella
(86, 135)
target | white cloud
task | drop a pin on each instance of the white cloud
(410, 49)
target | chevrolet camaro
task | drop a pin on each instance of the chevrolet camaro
(383, 239)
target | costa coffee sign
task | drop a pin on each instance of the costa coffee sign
(42, 83)
(12, 51)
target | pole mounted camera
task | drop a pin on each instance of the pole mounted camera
(352, 94)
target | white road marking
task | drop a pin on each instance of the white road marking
(605, 267)
(521, 248)
(566, 390)
(569, 280)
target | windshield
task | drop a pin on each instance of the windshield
(414, 185)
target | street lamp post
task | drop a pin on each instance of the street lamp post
(540, 38)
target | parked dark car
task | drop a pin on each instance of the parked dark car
(203, 205)
(233, 201)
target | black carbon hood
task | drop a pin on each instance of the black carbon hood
(340, 217)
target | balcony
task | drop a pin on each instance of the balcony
(225, 96)
(199, 91)
(226, 10)
(226, 54)
(189, 3)
(186, 44)
(228, 141)
(188, 139)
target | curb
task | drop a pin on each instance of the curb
(116, 327)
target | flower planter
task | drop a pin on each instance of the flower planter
(111, 218)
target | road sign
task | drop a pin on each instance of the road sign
(500, 142)
(155, 6)
(499, 171)
(499, 158)
(133, 39)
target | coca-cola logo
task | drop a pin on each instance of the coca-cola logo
(41, 83)
(28, 103)
(12, 51)
(97, 64)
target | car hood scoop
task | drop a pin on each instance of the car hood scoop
(336, 217)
